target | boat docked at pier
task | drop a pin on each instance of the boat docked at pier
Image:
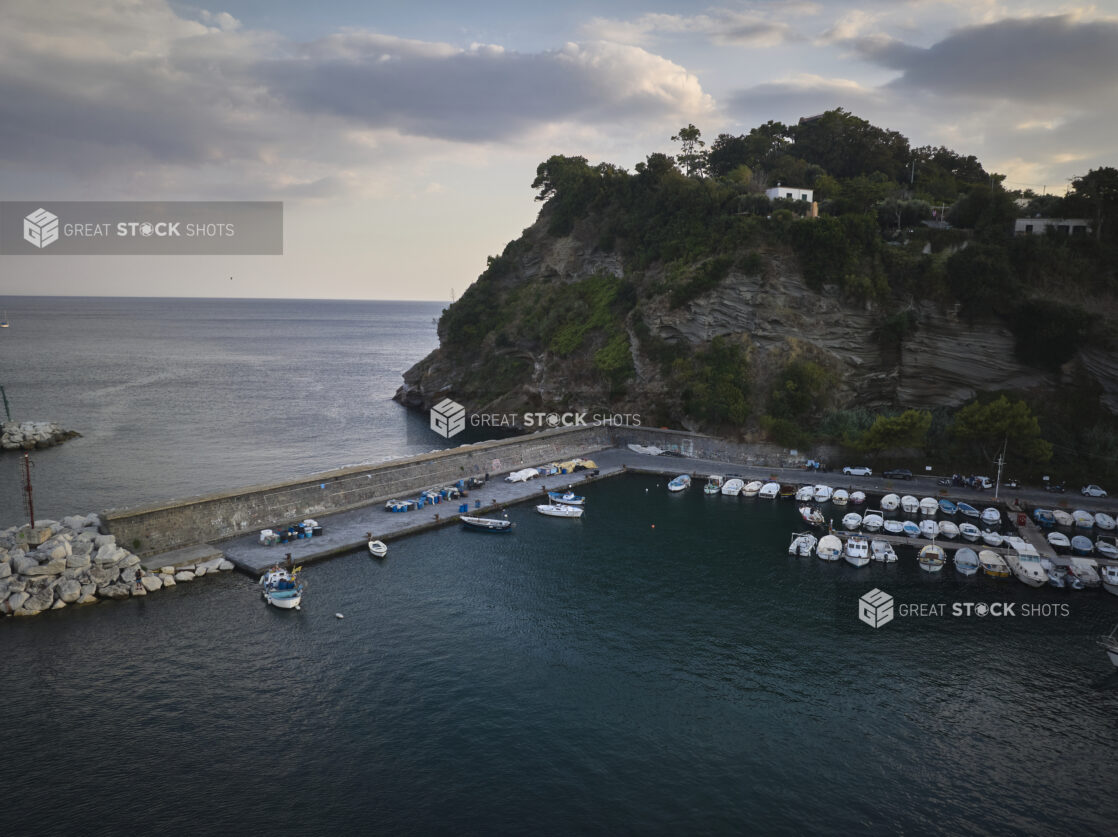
(1083, 519)
(567, 498)
(732, 487)
(894, 527)
(931, 558)
(1063, 518)
(769, 491)
(992, 538)
(993, 564)
(857, 551)
(991, 516)
(840, 497)
(947, 507)
(909, 504)
(1024, 560)
(1109, 577)
(883, 551)
(948, 529)
(805, 494)
(852, 522)
(966, 561)
(1104, 521)
(378, 549)
(714, 484)
(857, 498)
(752, 488)
(967, 510)
(1044, 518)
(970, 532)
(1059, 541)
(486, 524)
(823, 493)
(812, 516)
(929, 528)
(559, 510)
(829, 548)
(1081, 545)
(1086, 570)
(873, 521)
(680, 483)
(282, 589)
(890, 502)
(929, 506)
(911, 529)
(803, 544)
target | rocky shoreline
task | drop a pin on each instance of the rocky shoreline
(29, 435)
(70, 562)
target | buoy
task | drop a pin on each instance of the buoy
(339, 616)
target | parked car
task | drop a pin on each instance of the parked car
(982, 483)
(858, 471)
(898, 474)
(1092, 491)
(1057, 487)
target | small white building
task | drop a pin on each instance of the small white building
(792, 193)
(1040, 226)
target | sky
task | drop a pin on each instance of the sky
(403, 137)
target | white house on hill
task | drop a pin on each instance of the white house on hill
(792, 193)
(1039, 226)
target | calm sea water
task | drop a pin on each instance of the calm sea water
(661, 666)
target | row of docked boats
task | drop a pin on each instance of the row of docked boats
(1076, 519)
(560, 504)
(857, 550)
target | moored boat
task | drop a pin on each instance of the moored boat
(947, 507)
(969, 531)
(929, 506)
(752, 488)
(486, 524)
(829, 548)
(967, 510)
(1062, 518)
(803, 543)
(1104, 521)
(948, 529)
(732, 487)
(894, 527)
(1106, 547)
(1024, 560)
(991, 516)
(992, 539)
(931, 558)
(787, 491)
(378, 549)
(714, 484)
(890, 502)
(909, 504)
(911, 529)
(282, 589)
(812, 516)
(993, 564)
(1109, 643)
(1081, 545)
(872, 522)
(857, 551)
(966, 561)
(769, 491)
(1083, 519)
(680, 483)
(929, 529)
(883, 551)
(1057, 576)
(857, 498)
(823, 493)
(1109, 578)
(1044, 518)
(852, 521)
(840, 497)
(559, 510)
(1086, 570)
(567, 498)
(1059, 541)
(805, 493)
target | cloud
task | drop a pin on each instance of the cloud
(760, 27)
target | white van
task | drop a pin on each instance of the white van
(983, 482)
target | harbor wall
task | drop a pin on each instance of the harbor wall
(158, 528)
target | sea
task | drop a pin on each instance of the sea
(661, 666)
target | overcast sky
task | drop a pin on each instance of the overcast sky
(403, 137)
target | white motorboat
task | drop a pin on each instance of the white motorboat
(890, 502)
(1106, 547)
(559, 510)
(1086, 570)
(1024, 560)
(829, 548)
(1083, 519)
(1059, 541)
(378, 548)
(1110, 644)
(948, 529)
(909, 504)
(1057, 576)
(929, 529)
(993, 564)
(840, 497)
(752, 488)
(769, 491)
(969, 531)
(852, 522)
(805, 493)
(1063, 518)
(857, 498)
(857, 551)
(991, 516)
(883, 551)
(893, 527)
(931, 558)
(282, 589)
(812, 516)
(680, 483)
(1109, 577)
(929, 506)
(823, 493)
(803, 544)
(486, 524)
(1082, 545)
(714, 484)
(992, 539)
(732, 487)
(967, 510)
(966, 561)
(1104, 521)
(873, 522)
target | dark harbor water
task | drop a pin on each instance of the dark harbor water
(661, 666)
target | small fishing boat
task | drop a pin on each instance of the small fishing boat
(1081, 545)
(857, 551)
(1059, 541)
(1071, 581)
(852, 521)
(823, 493)
(4, 321)
(1083, 519)
(769, 491)
(568, 498)
(947, 507)
(890, 502)
(714, 484)
(967, 510)
(966, 561)
(1104, 521)
(991, 516)
(1044, 518)
(1063, 518)
(378, 549)
(929, 506)
(803, 543)
(680, 483)
(873, 522)
(929, 529)
(1086, 570)
(486, 524)
(948, 529)
(559, 510)
(1109, 643)
(812, 516)
(969, 531)
(857, 498)
(732, 487)
(883, 551)
(909, 504)
(805, 493)
(893, 527)
(992, 539)
(1109, 577)
(752, 488)
(840, 497)
(993, 564)
(1057, 576)
(787, 491)
(1106, 547)
(931, 558)
(911, 529)
(829, 548)
(282, 589)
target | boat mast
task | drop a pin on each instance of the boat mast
(1001, 462)
(30, 506)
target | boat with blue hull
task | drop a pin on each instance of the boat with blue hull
(568, 498)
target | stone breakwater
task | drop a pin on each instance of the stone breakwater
(69, 562)
(28, 435)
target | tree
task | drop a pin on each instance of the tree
(1097, 193)
(908, 430)
(981, 430)
(691, 158)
